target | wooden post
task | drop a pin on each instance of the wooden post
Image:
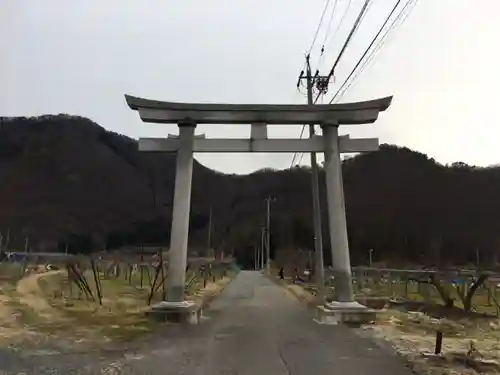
(7, 240)
(70, 283)
(1, 245)
(204, 274)
(439, 342)
(427, 290)
(157, 273)
(164, 277)
(96, 281)
(142, 264)
(406, 287)
(148, 274)
(25, 261)
(362, 280)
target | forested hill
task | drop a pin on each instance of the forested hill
(64, 177)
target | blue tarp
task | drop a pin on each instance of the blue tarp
(460, 281)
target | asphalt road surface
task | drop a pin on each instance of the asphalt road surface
(253, 328)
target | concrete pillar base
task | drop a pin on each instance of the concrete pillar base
(350, 313)
(176, 312)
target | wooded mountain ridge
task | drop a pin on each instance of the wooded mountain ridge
(64, 178)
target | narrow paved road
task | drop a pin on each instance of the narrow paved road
(254, 327)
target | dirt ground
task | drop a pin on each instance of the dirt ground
(29, 294)
(412, 334)
(43, 305)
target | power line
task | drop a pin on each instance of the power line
(301, 157)
(341, 21)
(344, 48)
(354, 28)
(329, 27)
(327, 3)
(302, 154)
(346, 44)
(371, 43)
(295, 154)
(379, 45)
(319, 26)
(349, 37)
(410, 6)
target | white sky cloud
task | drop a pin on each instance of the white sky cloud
(81, 56)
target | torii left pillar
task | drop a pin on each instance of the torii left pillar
(175, 307)
(180, 216)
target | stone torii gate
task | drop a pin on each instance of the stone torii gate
(329, 117)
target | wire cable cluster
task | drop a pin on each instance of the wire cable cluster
(353, 30)
(409, 6)
(368, 55)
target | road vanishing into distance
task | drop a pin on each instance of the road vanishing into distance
(254, 327)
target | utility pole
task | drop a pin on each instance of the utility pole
(7, 239)
(268, 232)
(262, 246)
(209, 234)
(255, 257)
(318, 236)
(259, 256)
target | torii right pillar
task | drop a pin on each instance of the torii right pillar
(344, 309)
(337, 223)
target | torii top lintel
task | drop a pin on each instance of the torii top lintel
(172, 113)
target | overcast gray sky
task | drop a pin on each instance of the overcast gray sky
(81, 56)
